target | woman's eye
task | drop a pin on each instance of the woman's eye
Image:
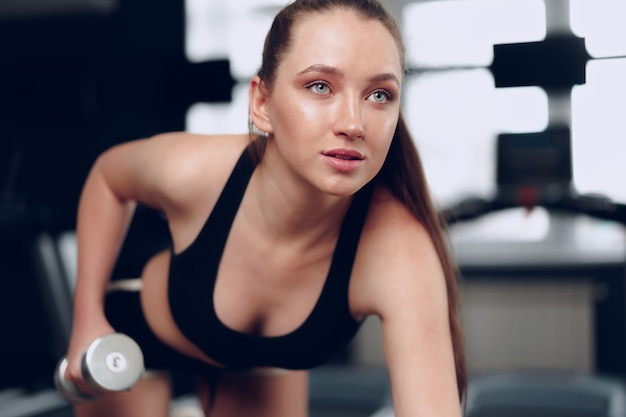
(319, 88)
(380, 96)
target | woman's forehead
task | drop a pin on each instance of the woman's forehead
(343, 38)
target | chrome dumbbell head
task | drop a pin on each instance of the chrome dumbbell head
(112, 363)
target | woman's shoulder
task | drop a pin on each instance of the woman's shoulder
(395, 247)
(393, 235)
(199, 147)
(390, 219)
(189, 160)
(176, 170)
(179, 149)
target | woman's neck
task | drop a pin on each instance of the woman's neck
(287, 208)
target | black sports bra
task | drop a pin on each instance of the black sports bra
(192, 276)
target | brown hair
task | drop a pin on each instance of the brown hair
(402, 171)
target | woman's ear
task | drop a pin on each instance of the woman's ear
(259, 105)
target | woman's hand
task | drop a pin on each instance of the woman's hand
(82, 336)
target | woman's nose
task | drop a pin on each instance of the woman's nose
(349, 122)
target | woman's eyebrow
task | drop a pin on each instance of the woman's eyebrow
(326, 69)
(334, 71)
(387, 76)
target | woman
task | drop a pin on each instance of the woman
(323, 219)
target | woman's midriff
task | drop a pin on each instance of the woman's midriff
(155, 304)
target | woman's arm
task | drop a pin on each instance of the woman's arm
(120, 177)
(405, 287)
(417, 341)
(177, 174)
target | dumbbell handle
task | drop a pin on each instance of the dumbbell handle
(111, 363)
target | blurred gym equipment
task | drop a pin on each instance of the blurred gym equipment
(534, 171)
(77, 76)
(546, 395)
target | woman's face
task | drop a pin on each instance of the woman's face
(335, 102)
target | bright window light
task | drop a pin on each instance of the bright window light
(206, 25)
(599, 130)
(450, 117)
(246, 35)
(601, 23)
(232, 30)
(221, 118)
(257, 6)
(462, 33)
(455, 117)
(520, 109)
(510, 225)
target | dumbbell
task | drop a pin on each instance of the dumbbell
(111, 363)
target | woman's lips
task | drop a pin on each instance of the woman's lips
(344, 154)
(343, 160)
